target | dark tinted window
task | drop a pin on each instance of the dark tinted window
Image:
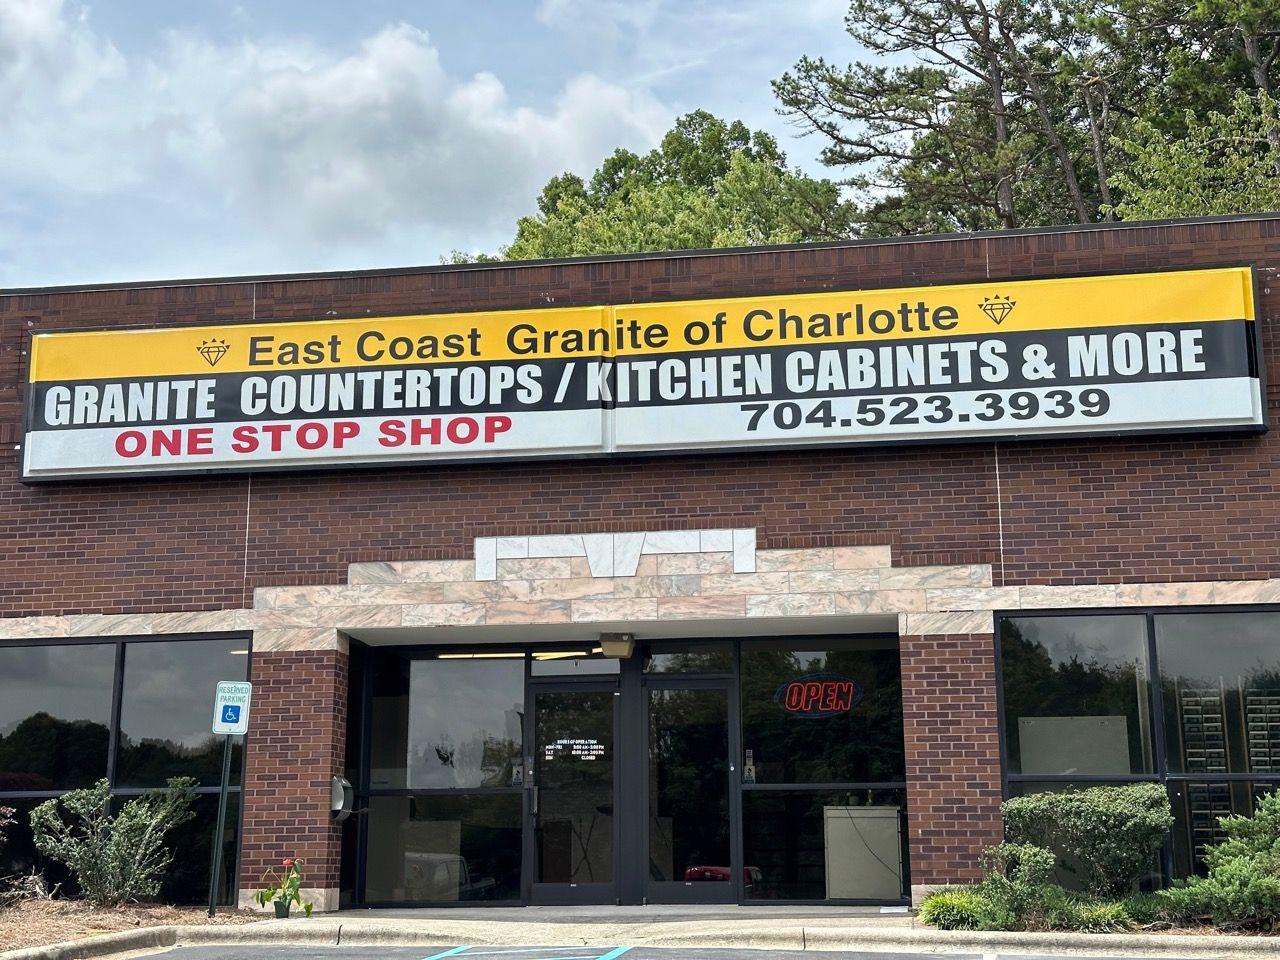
(440, 848)
(822, 711)
(18, 854)
(1197, 808)
(823, 846)
(165, 710)
(1220, 674)
(1076, 697)
(446, 722)
(689, 658)
(55, 715)
(187, 879)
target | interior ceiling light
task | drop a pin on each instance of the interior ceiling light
(480, 656)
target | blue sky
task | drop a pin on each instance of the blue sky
(142, 139)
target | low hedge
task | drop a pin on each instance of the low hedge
(1241, 891)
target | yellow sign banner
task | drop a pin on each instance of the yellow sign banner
(852, 317)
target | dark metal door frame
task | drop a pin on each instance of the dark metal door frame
(551, 894)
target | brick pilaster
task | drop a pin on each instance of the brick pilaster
(296, 743)
(951, 728)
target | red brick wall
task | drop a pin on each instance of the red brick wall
(1147, 509)
(296, 746)
(952, 737)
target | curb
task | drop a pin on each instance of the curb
(797, 937)
(103, 945)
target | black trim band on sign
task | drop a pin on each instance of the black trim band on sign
(564, 383)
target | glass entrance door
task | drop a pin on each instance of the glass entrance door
(572, 795)
(690, 775)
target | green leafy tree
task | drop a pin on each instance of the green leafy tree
(1223, 163)
(708, 184)
(116, 859)
(973, 114)
(982, 126)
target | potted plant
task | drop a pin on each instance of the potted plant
(284, 889)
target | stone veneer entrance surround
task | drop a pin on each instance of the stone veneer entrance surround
(944, 616)
(819, 582)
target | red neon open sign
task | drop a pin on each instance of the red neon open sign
(819, 695)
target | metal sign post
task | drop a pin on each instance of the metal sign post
(230, 719)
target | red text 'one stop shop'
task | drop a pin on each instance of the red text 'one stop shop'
(250, 438)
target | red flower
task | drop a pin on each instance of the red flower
(288, 861)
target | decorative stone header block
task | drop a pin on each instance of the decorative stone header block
(616, 554)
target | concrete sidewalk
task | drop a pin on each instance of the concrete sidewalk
(741, 928)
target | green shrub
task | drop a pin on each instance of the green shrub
(117, 858)
(1017, 874)
(1146, 908)
(1109, 836)
(1242, 889)
(1098, 916)
(964, 908)
(1022, 863)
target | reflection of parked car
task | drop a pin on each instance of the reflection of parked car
(751, 876)
(444, 877)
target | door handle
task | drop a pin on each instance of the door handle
(533, 801)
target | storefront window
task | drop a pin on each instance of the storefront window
(55, 715)
(689, 785)
(708, 657)
(187, 879)
(1076, 697)
(810, 845)
(446, 722)
(18, 854)
(57, 704)
(443, 848)
(1196, 810)
(1220, 680)
(822, 711)
(164, 711)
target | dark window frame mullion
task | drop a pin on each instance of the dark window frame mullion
(825, 787)
(117, 708)
(441, 791)
(1159, 745)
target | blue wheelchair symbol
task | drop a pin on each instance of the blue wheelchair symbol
(230, 714)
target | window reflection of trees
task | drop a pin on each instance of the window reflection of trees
(688, 782)
(863, 745)
(1068, 673)
(43, 752)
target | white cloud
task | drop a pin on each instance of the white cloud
(385, 136)
(279, 142)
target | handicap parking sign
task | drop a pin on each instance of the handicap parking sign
(231, 708)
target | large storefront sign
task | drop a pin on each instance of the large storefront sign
(1109, 354)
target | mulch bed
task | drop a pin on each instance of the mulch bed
(35, 923)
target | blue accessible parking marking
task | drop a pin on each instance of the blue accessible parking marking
(525, 951)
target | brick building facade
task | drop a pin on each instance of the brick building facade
(933, 546)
